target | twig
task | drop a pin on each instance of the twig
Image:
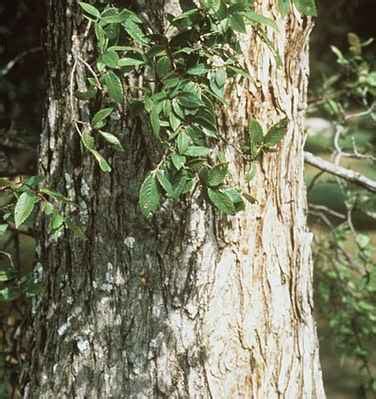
(327, 210)
(17, 59)
(341, 172)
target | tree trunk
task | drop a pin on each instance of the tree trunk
(188, 304)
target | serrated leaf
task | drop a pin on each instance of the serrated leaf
(164, 181)
(251, 173)
(48, 208)
(212, 4)
(235, 198)
(221, 201)
(135, 32)
(110, 138)
(255, 137)
(6, 275)
(284, 7)
(177, 108)
(7, 294)
(178, 161)
(128, 61)
(155, 121)
(275, 134)
(114, 87)
(103, 164)
(101, 116)
(110, 58)
(101, 35)
(88, 140)
(197, 151)
(53, 194)
(57, 221)
(260, 19)
(237, 23)
(190, 100)
(306, 7)
(217, 175)
(89, 9)
(24, 206)
(149, 198)
(197, 70)
(183, 141)
(3, 228)
(87, 95)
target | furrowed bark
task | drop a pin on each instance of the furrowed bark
(188, 304)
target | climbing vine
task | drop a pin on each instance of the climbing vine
(185, 69)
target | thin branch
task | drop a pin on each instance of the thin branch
(341, 172)
(4, 71)
(323, 208)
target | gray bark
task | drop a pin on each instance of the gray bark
(188, 304)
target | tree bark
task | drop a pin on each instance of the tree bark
(188, 304)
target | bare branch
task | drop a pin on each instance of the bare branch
(6, 69)
(339, 171)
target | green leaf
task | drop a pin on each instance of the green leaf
(114, 87)
(163, 66)
(110, 58)
(135, 32)
(165, 183)
(190, 100)
(183, 141)
(284, 7)
(3, 228)
(155, 121)
(198, 69)
(220, 77)
(101, 37)
(126, 62)
(88, 140)
(57, 221)
(110, 138)
(221, 201)
(255, 137)
(7, 294)
(48, 208)
(101, 116)
(362, 240)
(212, 4)
(177, 108)
(178, 161)
(88, 94)
(197, 151)
(306, 7)
(260, 19)
(217, 174)
(237, 23)
(275, 134)
(89, 9)
(251, 173)
(149, 198)
(6, 275)
(235, 198)
(103, 164)
(24, 207)
(53, 194)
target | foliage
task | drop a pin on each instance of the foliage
(344, 259)
(186, 69)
